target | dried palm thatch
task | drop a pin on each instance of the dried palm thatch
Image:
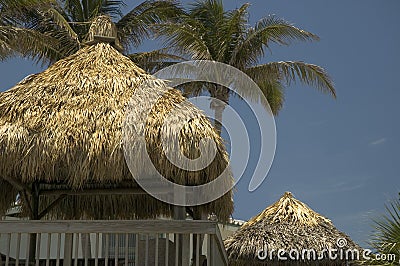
(103, 30)
(287, 225)
(61, 130)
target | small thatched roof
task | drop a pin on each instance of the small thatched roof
(103, 29)
(288, 224)
(61, 130)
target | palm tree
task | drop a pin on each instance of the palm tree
(386, 239)
(49, 30)
(208, 32)
(18, 40)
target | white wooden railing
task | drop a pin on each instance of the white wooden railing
(134, 242)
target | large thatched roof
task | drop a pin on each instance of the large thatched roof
(288, 224)
(61, 131)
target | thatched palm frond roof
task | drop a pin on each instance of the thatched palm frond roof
(288, 224)
(62, 130)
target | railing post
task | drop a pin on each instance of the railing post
(68, 249)
(209, 250)
(185, 249)
(34, 216)
(214, 252)
(179, 214)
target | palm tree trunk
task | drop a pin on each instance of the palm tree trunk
(218, 119)
(220, 97)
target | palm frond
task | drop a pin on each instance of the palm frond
(155, 60)
(16, 13)
(290, 71)
(210, 15)
(137, 23)
(55, 24)
(280, 31)
(235, 28)
(274, 91)
(204, 8)
(185, 38)
(28, 43)
(386, 239)
(85, 9)
(55, 17)
(74, 9)
(193, 89)
(266, 30)
(23, 4)
(112, 8)
(93, 8)
(67, 46)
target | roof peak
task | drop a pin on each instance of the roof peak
(103, 30)
(288, 194)
(289, 209)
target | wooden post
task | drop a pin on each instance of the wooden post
(35, 203)
(198, 215)
(185, 249)
(68, 242)
(209, 250)
(86, 245)
(179, 214)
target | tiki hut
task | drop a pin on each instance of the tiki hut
(290, 228)
(61, 139)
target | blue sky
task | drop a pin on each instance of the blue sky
(341, 157)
